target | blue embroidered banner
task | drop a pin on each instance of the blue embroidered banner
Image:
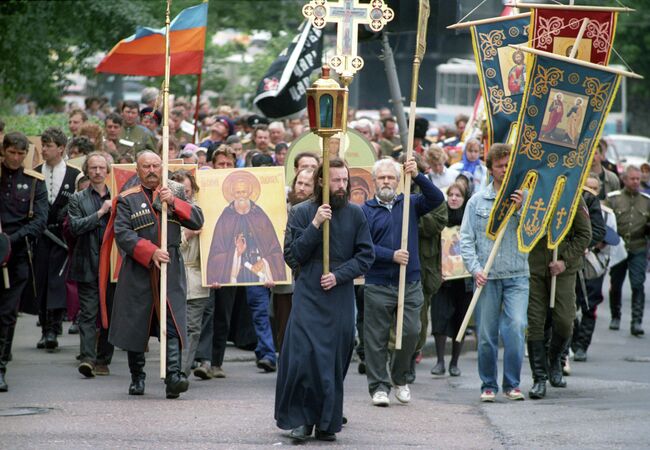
(562, 117)
(501, 71)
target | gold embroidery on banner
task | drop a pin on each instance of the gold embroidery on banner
(552, 160)
(526, 30)
(500, 103)
(530, 146)
(533, 224)
(545, 78)
(574, 78)
(577, 157)
(600, 34)
(547, 28)
(513, 32)
(533, 111)
(592, 125)
(491, 73)
(560, 218)
(489, 43)
(598, 92)
(503, 210)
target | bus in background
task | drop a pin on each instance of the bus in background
(456, 89)
(457, 86)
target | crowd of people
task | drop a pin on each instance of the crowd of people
(59, 223)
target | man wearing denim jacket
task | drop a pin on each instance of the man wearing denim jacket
(501, 309)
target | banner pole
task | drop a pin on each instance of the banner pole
(163, 215)
(195, 135)
(420, 49)
(574, 52)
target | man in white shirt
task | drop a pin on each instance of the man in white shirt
(51, 254)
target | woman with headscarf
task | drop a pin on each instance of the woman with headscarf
(472, 164)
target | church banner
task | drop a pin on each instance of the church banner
(555, 31)
(562, 117)
(245, 212)
(501, 71)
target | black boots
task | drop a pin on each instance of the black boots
(175, 381)
(53, 322)
(638, 303)
(136, 366)
(5, 350)
(537, 359)
(555, 349)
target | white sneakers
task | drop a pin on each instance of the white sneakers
(403, 393)
(380, 398)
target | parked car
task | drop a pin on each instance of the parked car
(625, 150)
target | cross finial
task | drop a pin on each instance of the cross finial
(348, 15)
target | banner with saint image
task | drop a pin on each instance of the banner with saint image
(501, 71)
(562, 117)
(245, 212)
(555, 30)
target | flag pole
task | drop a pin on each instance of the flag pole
(420, 48)
(486, 272)
(195, 135)
(163, 216)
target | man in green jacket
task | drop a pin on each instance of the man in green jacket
(542, 269)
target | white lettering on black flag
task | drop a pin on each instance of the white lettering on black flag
(281, 92)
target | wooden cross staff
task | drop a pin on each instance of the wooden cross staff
(420, 48)
(348, 15)
(163, 215)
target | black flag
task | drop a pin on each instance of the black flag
(281, 92)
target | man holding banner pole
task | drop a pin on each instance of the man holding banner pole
(503, 302)
(136, 309)
(384, 214)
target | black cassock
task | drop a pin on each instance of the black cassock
(319, 338)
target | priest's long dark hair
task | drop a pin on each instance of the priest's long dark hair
(335, 163)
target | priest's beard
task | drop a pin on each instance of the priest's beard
(386, 194)
(294, 199)
(338, 199)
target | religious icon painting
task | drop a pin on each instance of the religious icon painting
(121, 178)
(245, 219)
(564, 46)
(513, 70)
(563, 118)
(452, 261)
(362, 187)
(356, 150)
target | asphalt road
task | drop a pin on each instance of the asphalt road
(606, 404)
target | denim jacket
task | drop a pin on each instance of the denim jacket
(475, 246)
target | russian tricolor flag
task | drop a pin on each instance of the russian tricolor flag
(144, 52)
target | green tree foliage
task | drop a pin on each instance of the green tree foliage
(43, 41)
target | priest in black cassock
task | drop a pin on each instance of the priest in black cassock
(319, 338)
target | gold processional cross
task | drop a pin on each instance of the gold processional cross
(348, 15)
